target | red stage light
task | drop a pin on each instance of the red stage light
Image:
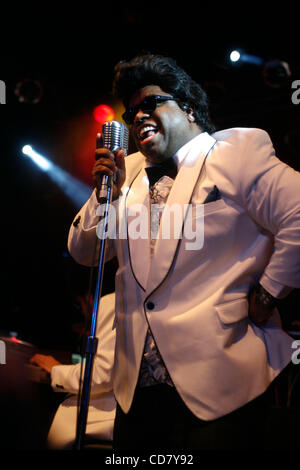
(14, 339)
(103, 113)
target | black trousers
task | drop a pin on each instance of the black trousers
(160, 421)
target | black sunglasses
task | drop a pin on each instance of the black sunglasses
(148, 105)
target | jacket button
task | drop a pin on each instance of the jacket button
(76, 222)
(150, 305)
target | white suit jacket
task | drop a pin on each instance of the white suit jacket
(102, 404)
(193, 297)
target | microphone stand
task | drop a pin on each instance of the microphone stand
(105, 197)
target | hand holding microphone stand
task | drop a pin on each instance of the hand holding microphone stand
(115, 137)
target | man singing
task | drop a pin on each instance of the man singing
(198, 335)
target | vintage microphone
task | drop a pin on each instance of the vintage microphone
(115, 137)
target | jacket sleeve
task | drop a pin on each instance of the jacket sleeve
(65, 378)
(83, 239)
(270, 191)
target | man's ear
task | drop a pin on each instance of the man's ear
(190, 112)
(191, 116)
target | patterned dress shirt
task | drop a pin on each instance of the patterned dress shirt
(153, 370)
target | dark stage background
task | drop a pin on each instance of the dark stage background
(72, 54)
(70, 50)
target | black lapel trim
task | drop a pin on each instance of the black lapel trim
(127, 232)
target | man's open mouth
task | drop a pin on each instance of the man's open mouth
(146, 133)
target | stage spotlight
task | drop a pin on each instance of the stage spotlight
(77, 191)
(38, 159)
(276, 73)
(241, 57)
(252, 59)
(103, 113)
(235, 56)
